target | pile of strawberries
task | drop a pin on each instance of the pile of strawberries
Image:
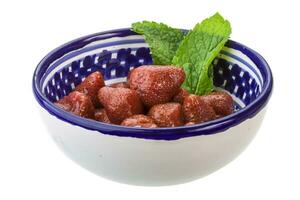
(151, 97)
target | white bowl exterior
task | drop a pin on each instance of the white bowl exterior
(151, 162)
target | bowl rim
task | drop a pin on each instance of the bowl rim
(168, 133)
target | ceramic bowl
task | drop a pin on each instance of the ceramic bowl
(147, 156)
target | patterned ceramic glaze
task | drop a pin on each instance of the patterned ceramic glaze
(148, 156)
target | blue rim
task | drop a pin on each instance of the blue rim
(207, 128)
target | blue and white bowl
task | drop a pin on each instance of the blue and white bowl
(147, 156)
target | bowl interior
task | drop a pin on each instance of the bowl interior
(116, 56)
(239, 70)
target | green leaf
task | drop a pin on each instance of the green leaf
(162, 39)
(197, 51)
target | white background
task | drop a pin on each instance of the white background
(32, 167)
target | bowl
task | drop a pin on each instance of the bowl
(149, 156)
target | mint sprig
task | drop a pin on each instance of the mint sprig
(194, 52)
(197, 51)
(162, 39)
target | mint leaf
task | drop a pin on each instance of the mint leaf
(162, 39)
(197, 51)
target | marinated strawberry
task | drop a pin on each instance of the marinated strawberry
(77, 103)
(120, 103)
(221, 102)
(196, 110)
(91, 85)
(119, 85)
(167, 115)
(156, 84)
(179, 97)
(64, 104)
(190, 123)
(101, 115)
(139, 121)
(151, 89)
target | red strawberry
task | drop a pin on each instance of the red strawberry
(196, 110)
(119, 85)
(167, 115)
(77, 103)
(120, 103)
(221, 102)
(101, 115)
(179, 97)
(156, 84)
(139, 121)
(91, 85)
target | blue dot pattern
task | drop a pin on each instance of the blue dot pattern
(117, 64)
(235, 80)
(71, 75)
